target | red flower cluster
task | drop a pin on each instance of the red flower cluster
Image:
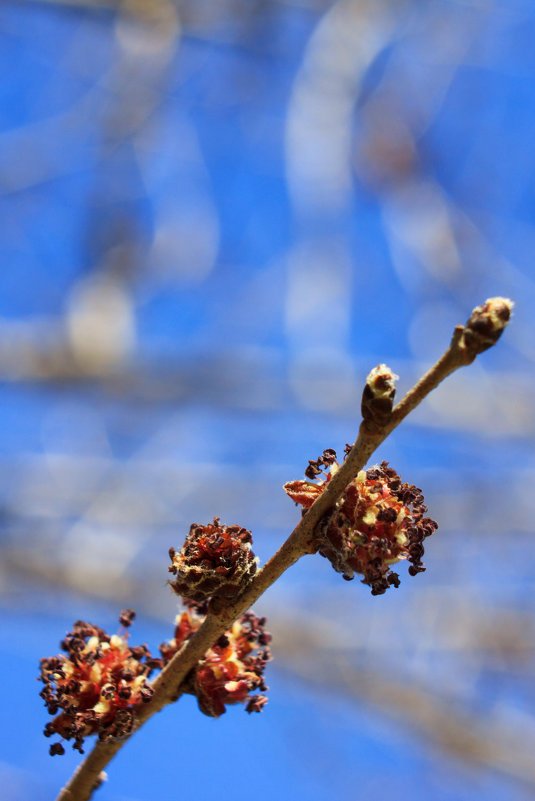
(232, 669)
(215, 561)
(377, 522)
(97, 686)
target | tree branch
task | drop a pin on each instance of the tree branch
(481, 331)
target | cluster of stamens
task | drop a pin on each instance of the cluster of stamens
(232, 668)
(377, 521)
(215, 561)
(97, 686)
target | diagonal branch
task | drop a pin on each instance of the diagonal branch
(481, 331)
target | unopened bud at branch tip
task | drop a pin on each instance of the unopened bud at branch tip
(487, 323)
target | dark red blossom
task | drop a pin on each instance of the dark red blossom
(97, 686)
(215, 561)
(376, 522)
(232, 669)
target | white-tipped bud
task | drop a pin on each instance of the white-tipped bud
(378, 395)
(382, 381)
(487, 323)
(499, 311)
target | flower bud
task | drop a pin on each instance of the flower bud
(378, 395)
(97, 686)
(215, 561)
(486, 324)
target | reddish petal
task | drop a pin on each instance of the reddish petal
(303, 492)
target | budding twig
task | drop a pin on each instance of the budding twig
(481, 331)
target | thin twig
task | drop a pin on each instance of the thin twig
(480, 332)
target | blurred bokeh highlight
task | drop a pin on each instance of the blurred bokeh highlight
(216, 217)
